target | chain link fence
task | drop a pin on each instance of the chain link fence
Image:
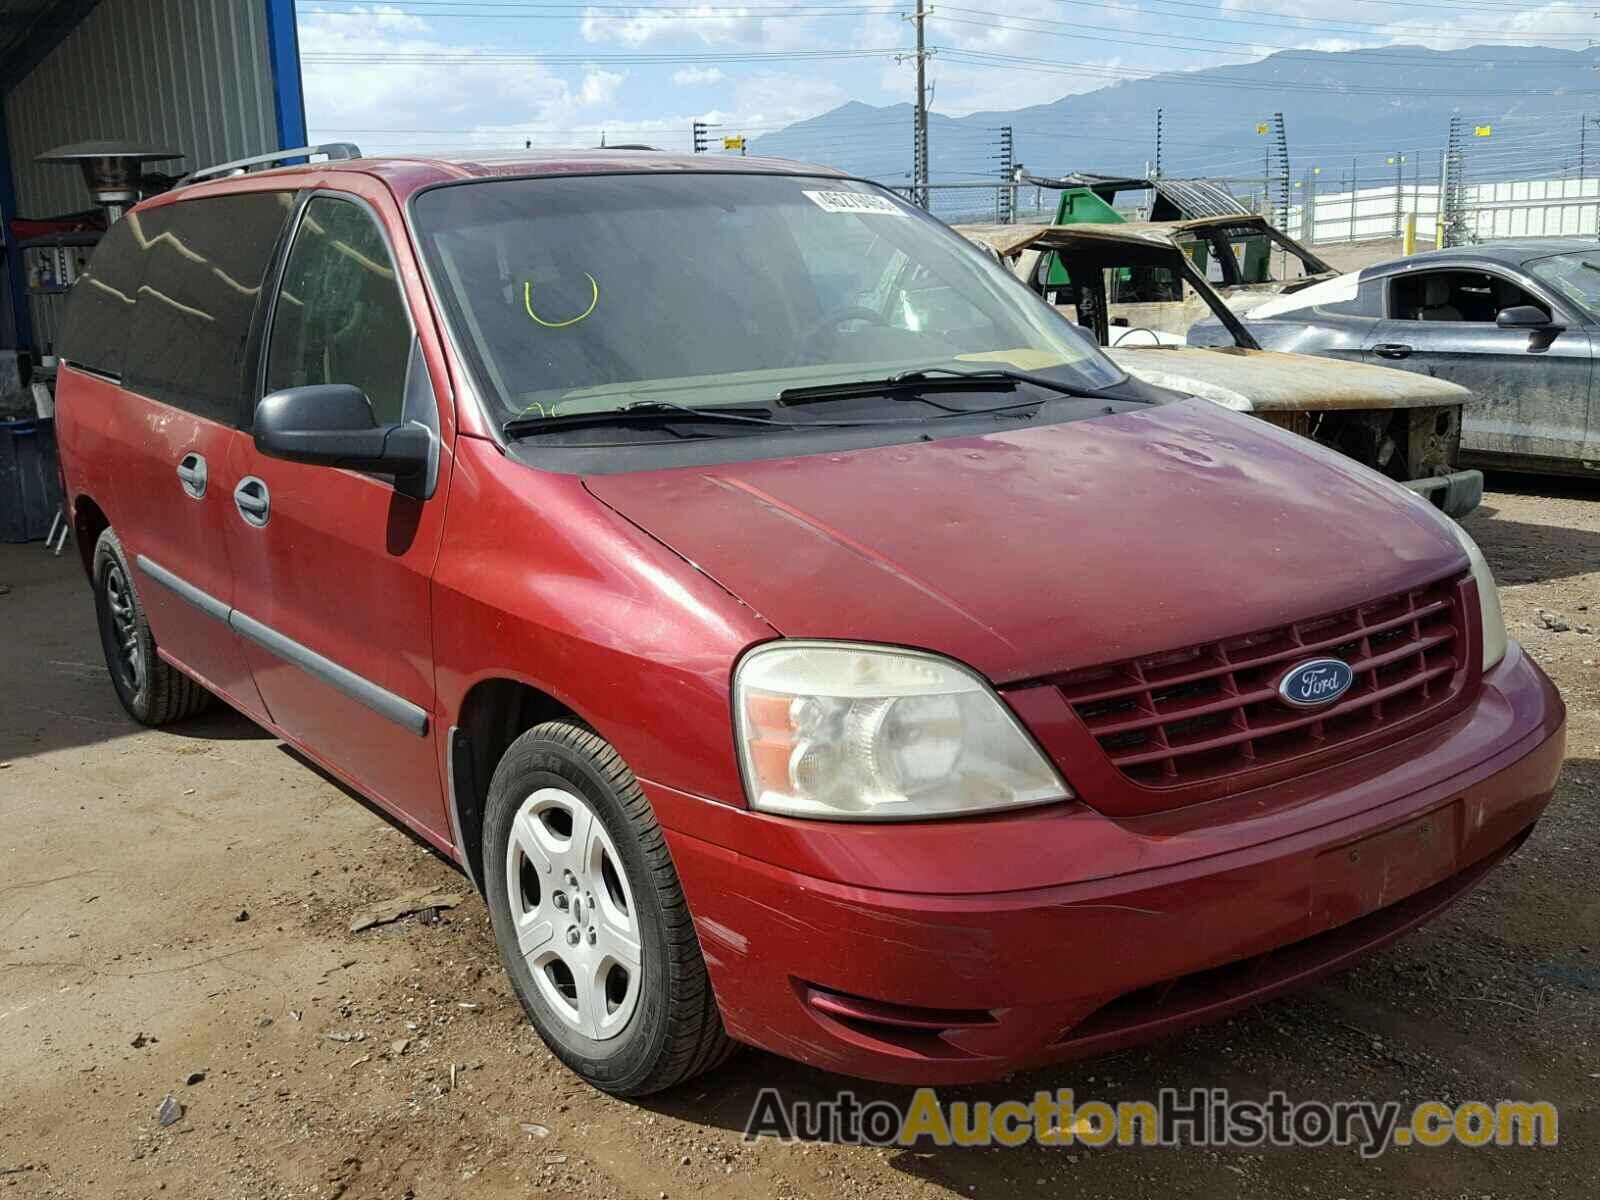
(1509, 178)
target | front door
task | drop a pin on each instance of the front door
(332, 566)
(1530, 389)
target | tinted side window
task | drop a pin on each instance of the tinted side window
(340, 317)
(1475, 296)
(99, 312)
(206, 260)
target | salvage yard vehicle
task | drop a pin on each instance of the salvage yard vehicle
(875, 674)
(1515, 322)
(1128, 284)
(1244, 255)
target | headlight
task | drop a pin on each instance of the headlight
(1492, 619)
(863, 733)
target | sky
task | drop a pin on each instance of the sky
(430, 74)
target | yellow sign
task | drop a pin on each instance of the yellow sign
(1262, 127)
(733, 143)
(1483, 131)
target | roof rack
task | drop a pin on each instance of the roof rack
(331, 151)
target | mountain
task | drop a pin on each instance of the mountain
(1344, 112)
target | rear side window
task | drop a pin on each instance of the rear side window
(205, 261)
(99, 312)
(340, 317)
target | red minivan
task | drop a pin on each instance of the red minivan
(801, 633)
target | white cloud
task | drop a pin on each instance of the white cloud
(766, 99)
(709, 24)
(698, 76)
(378, 16)
(600, 87)
(392, 85)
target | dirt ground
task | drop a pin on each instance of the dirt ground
(176, 904)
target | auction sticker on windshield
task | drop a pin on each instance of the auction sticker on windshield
(854, 202)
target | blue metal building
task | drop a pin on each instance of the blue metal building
(213, 79)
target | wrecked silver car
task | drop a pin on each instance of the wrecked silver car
(1515, 322)
(1129, 284)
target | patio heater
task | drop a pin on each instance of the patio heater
(112, 170)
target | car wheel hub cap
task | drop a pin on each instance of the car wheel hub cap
(124, 626)
(573, 912)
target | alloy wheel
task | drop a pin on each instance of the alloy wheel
(573, 912)
(124, 627)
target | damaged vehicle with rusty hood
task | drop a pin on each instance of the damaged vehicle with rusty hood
(1128, 285)
(802, 634)
(1247, 258)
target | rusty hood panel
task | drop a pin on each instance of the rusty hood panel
(1039, 549)
(1269, 381)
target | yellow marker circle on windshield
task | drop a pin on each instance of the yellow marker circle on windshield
(527, 303)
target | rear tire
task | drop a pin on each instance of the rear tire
(151, 690)
(590, 918)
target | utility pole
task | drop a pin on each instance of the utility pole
(1158, 143)
(919, 135)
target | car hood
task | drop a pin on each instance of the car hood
(1268, 381)
(1037, 550)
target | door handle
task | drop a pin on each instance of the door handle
(1392, 350)
(192, 474)
(252, 501)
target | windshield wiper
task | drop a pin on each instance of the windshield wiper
(666, 412)
(643, 412)
(934, 379)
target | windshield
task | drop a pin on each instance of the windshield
(1574, 276)
(587, 294)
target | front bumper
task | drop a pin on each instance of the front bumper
(842, 948)
(1455, 494)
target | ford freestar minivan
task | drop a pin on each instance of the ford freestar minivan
(802, 634)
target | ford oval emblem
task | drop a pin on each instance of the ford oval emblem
(1315, 683)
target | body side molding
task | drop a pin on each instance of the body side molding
(360, 689)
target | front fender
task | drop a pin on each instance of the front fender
(539, 582)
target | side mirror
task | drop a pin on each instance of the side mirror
(1526, 316)
(331, 424)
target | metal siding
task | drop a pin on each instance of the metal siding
(192, 75)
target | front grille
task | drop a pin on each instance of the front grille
(1205, 712)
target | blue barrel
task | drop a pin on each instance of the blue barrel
(30, 480)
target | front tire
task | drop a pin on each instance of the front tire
(151, 690)
(590, 919)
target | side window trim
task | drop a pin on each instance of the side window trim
(282, 265)
(255, 364)
(1531, 286)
